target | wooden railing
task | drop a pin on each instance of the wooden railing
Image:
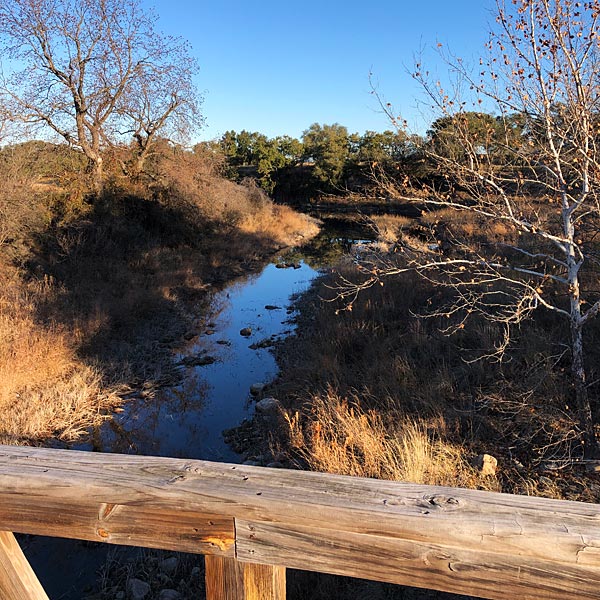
(252, 523)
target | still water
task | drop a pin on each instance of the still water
(187, 420)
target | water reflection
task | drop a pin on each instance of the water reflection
(188, 420)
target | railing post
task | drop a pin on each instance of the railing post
(229, 579)
(17, 579)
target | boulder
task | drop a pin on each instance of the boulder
(246, 332)
(267, 406)
(137, 589)
(486, 464)
(169, 565)
(256, 389)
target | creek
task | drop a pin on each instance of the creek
(219, 365)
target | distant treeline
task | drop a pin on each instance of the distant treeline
(328, 160)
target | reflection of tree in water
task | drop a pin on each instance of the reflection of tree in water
(335, 240)
(190, 395)
(140, 432)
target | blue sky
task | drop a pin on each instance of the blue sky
(277, 67)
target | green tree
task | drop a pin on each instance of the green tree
(329, 147)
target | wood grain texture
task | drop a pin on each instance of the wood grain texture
(264, 582)
(17, 579)
(229, 579)
(224, 578)
(500, 540)
(432, 566)
(126, 524)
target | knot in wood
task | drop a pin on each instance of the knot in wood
(440, 502)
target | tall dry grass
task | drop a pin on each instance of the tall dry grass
(337, 435)
(280, 223)
(414, 392)
(45, 389)
(193, 182)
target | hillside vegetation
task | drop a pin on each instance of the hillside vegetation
(97, 291)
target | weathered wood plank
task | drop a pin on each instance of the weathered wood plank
(17, 579)
(264, 582)
(37, 484)
(432, 566)
(124, 524)
(229, 579)
(224, 578)
(526, 536)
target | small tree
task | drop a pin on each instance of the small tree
(534, 169)
(89, 69)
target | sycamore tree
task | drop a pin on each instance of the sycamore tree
(89, 70)
(532, 169)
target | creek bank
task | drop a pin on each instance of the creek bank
(165, 401)
(380, 365)
(217, 371)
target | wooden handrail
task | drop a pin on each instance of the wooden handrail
(463, 541)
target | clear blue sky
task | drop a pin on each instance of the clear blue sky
(277, 67)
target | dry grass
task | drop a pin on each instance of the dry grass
(389, 227)
(414, 393)
(45, 389)
(280, 223)
(339, 436)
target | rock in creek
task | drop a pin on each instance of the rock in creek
(246, 332)
(267, 406)
(198, 360)
(272, 307)
(256, 389)
(266, 343)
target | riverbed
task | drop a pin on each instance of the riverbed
(227, 353)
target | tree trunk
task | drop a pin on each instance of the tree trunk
(584, 410)
(97, 171)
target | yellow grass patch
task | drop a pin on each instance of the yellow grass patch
(338, 436)
(45, 390)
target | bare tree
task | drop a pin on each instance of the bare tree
(534, 170)
(74, 64)
(163, 102)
